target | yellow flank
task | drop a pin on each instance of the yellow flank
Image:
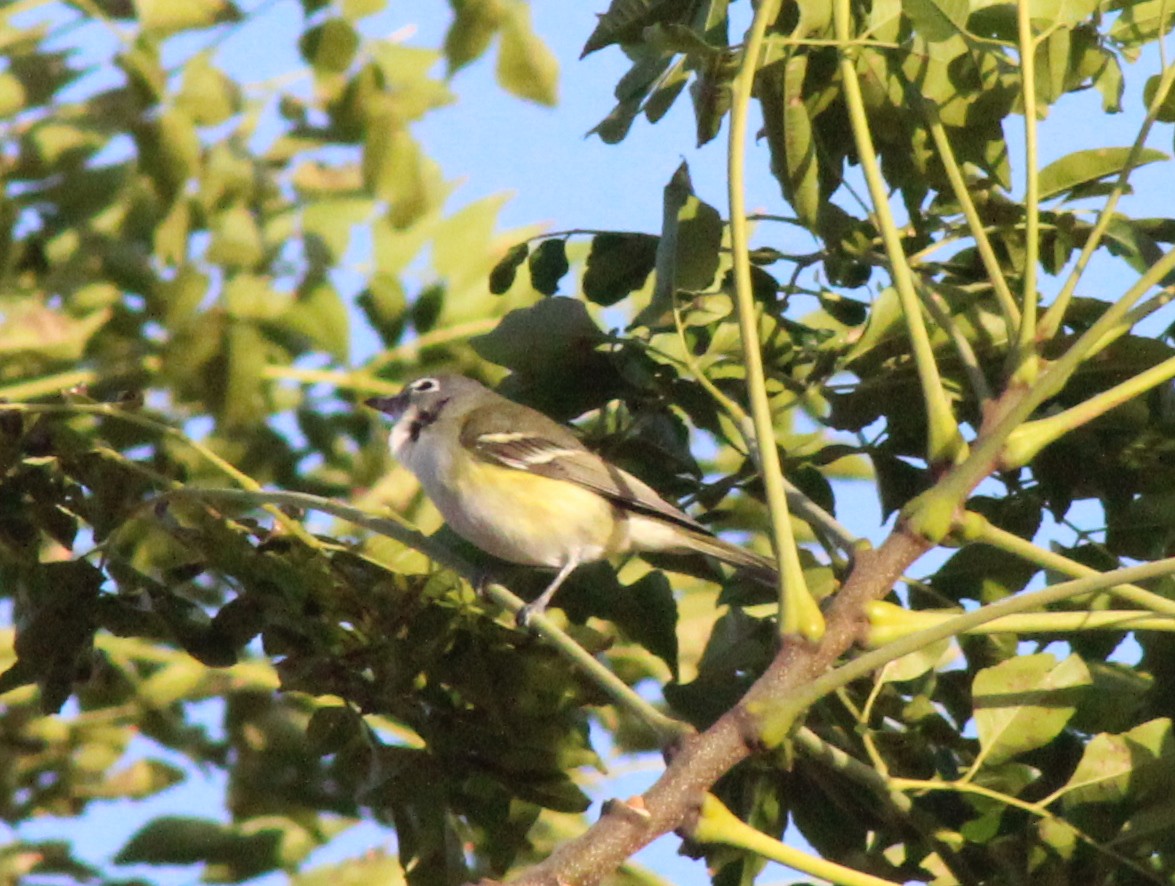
(527, 518)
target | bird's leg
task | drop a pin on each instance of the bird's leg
(539, 605)
(480, 581)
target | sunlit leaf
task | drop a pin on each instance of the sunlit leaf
(526, 67)
(1024, 703)
(1082, 167)
(1141, 759)
(163, 17)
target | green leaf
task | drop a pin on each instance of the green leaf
(321, 316)
(143, 67)
(333, 728)
(169, 150)
(330, 47)
(802, 182)
(898, 481)
(395, 169)
(29, 327)
(711, 96)
(170, 244)
(207, 94)
(1111, 84)
(979, 572)
(647, 612)
(1067, 13)
(473, 27)
(143, 778)
(171, 683)
(244, 397)
(1052, 65)
(665, 91)
(885, 323)
(1024, 703)
(1151, 825)
(357, 9)
(550, 332)
(384, 304)
(174, 840)
(1130, 765)
(938, 20)
(328, 223)
(548, 263)
(1166, 110)
(164, 17)
(406, 71)
(374, 867)
(463, 251)
(848, 311)
(688, 251)
(914, 665)
(555, 791)
(236, 239)
(526, 67)
(1142, 22)
(506, 270)
(1083, 167)
(618, 264)
(625, 21)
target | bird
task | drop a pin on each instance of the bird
(522, 487)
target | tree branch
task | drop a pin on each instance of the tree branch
(675, 799)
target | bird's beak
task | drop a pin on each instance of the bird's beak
(393, 407)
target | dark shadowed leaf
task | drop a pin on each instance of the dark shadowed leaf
(551, 332)
(617, 265)
(548, 263)
(504, 272)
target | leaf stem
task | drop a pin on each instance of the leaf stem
(865, 664)
(940, 313)
(799, 613)
(342, 379)
(933, 513)
(49, 384)
(987, 533)
(945, 445)
(1030, 438)
(824, 752)
(1037, 809)
(1024, 358)
(962, 193)
(717, 824)
(409, 350)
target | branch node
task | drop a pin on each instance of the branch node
(633, 808)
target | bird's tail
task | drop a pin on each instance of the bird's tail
(756, 566)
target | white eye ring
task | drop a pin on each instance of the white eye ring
(425, 385)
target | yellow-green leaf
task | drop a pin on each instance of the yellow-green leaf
(526, 67)
(1024, 703)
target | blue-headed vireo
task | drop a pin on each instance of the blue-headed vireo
(523, 488)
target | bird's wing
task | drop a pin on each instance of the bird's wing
(551, 450)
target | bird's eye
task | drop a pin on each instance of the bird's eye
(424, 385)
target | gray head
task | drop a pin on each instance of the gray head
(426, 395)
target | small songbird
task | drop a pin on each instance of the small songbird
(523, 488)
